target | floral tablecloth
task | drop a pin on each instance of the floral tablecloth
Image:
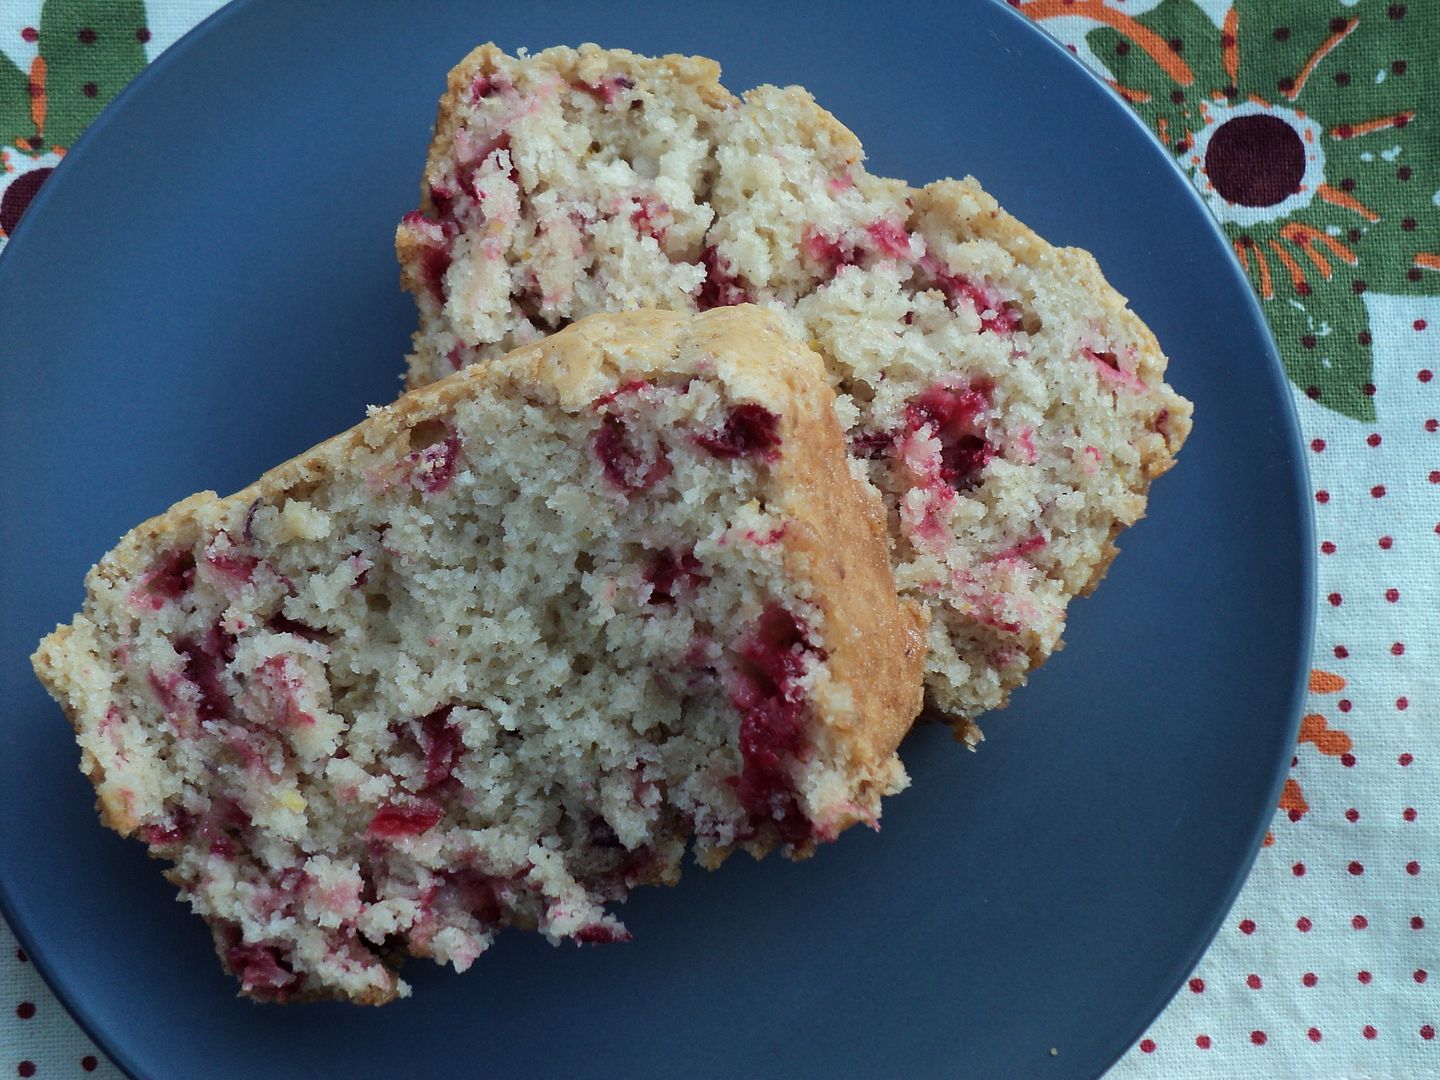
(1312, 128)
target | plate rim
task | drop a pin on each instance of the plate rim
(1249, 308)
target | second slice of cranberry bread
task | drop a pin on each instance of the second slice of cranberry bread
(494, 656)
(995, 388)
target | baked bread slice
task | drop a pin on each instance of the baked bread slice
(493, 656)
(996, 390)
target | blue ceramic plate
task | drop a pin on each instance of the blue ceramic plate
(207, 286)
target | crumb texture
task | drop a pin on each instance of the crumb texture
(1009, 407)
(499, 654)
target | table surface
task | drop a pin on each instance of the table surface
(1310, 126)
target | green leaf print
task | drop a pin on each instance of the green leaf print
(15, 122)
(91, 49)
(1316, 147)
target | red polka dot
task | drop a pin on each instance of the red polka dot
(1347, 759)
(1341, 652)
(1392, 595)
(1359, 922)
(1409, 813)
(1327, 548)
(142, 35)
(1322, 497)
(1147, 1046)
(1420, 975)
(1427, 1032)
(30, 34)
(1197, 986)
(1298, 869)
(1309, 979)
(1368, 389)
(1419, 324)
(1397, 649)
(1202, 1041)
(26, 1068)
(1343, 704)
(1412, 868)
(1405, 758)
(1258, 1038)
(1313, 1034)
(1425, 375)
(25, 1010)
(1378, 491)
(1387, 542)
(1352, 814)
(1247, 926)
(1317, 445)
(1369, 1031)
(1364, 977)
(89, 1063)
(1402, 703)
(1355, 868)
(1432, 425)
(1303, 924)
(1434, 476)
(1253, 982)
(1335, 599)
(1373, 439)
(20, 955)
(1417, 922)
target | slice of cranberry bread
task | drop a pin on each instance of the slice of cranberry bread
(494, 656)
(998, 392)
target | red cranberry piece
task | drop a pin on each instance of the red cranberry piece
(249, 530)
(398, 820)
(222, 844)
(433, 468)
(283, 686)
(871, 445)
(172, 577)
(600, 934)
(228, 561)
(771, 728)
(721, 288)
(482, 87)
(890, 238)
(672, 574)
(952, 415)
(478, 894)
(159, 835)
(608, 88)
(440, 742)
(981, 298)
(774, 652)
(634, 386)
(204, 661)
(434, 252)
(827, 252)
(624, 464)
(262, 971)
(749, 429)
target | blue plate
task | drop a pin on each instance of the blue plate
(207, 286)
